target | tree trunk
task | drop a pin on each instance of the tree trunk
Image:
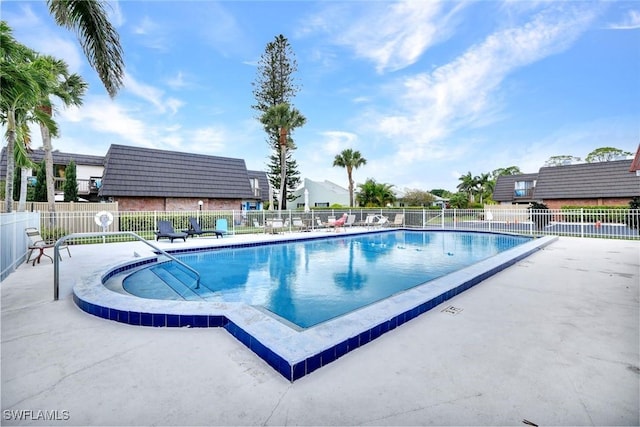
(283, 178)
(22, 201)
(11, 140)
(349, 175)
(48, 160)
(283, 170)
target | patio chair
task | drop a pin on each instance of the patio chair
(398, 221)
(166, 231)
(37, 242)
(299, 225)
(368, 222)
(196, 230)
(339, 223)
(222, 226)
(381, 221)
(351, 219)
(274, 224)
(319, 223)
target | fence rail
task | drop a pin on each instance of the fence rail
(605, 223)
(595, 223)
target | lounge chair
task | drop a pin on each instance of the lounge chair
(196, 230)
(299, 225)
(37, 242)
(339, 222)
(256, 224)
(273, 225)
(381, 220)
(369, 221)
(351, 219)
(222, 226)
(398, 221)
(166, 231)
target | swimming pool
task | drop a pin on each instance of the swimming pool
(312, 281)
(291, 351)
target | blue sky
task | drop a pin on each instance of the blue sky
(425, 90)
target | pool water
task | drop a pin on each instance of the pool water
(310, 282)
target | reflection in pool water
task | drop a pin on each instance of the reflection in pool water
(309, 282)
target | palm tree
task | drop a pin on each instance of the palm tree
(69, 88)
(373, 193)
(349, 159)
(22, 161)
(22, 81)
(99, 39)
(482, 184)
(282, 119)
(467, 184)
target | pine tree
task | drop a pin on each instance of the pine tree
(70, 183)
(275, 85)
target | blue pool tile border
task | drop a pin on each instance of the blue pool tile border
(292, 370)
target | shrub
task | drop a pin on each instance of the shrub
(51, 234)
(538, 216)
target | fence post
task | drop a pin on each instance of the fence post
(581, 222)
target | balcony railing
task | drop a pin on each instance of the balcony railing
(523, 193)
(85, 186)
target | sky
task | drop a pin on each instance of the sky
(426, 91)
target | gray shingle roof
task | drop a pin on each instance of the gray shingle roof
(587, 180)
(136, 171)
(505, 185)
(59, 158)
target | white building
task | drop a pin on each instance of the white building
(322, 194)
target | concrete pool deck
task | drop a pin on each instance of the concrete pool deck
(553, 340)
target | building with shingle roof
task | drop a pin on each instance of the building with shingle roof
(635, 164)
(586, 184)
(150, 179)
(260, 186)
(515, 189)
(88, 170)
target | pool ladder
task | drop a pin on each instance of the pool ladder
(56, 257)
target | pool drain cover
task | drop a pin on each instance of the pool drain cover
(452, 310)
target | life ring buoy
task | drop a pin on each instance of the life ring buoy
(104, 219)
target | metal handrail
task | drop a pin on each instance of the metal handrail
(56, 256)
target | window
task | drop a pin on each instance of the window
(321, 205)
(524, 188)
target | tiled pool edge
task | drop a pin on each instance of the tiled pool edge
(292, 369)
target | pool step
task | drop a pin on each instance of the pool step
(177, 279)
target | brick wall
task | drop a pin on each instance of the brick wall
(173, 204)
(559, 203)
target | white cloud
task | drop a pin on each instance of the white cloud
(151, 94)
(393, 35)
(209, 140)
(333, 141)
(152, 34)
(630, 22)
(109, 118)
(462, 94)
(178, 81)
(115, 13)
(46, 40)
(145, 27)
